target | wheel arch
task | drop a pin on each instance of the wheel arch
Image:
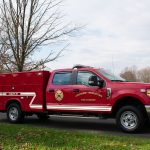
(12, 101)
(128, 101)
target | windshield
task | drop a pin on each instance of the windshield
(110, 76)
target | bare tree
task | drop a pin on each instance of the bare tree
(129, 74)
(4, 59)
(133, 74)
(25, 26)
(144, 75)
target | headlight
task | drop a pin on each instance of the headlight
(145, 91)
(148, 92)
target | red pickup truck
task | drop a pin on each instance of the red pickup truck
(81, 90)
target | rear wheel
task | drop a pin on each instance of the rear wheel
(14, 113)
(130, 119)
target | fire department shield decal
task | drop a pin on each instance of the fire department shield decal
(59, 95)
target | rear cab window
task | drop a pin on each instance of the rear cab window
(62, 78)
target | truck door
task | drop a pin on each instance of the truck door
(59, 90)
(88, 97)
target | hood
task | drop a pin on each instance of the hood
(133, 85)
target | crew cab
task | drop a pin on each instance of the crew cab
(81, 90)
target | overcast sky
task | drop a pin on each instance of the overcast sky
(117, 34)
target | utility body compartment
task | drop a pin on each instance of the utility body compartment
(28, 88)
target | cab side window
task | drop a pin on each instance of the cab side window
(83, 77)
(62, 78)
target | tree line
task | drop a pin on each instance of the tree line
(136, 75)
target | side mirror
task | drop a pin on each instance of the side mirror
(101, 83)
(93, 81)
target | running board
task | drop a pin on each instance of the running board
(78, 116)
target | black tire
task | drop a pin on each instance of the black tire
(43, 117)
(14, 113)
(130, 119)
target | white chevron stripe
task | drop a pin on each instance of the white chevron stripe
(72, 107)
(33, 94)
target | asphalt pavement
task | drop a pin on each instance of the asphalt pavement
(105, 126)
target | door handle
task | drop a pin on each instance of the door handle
(76, 90)
(51, 90)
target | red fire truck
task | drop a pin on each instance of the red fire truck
(80, 91)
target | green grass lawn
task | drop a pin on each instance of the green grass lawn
(22, 137)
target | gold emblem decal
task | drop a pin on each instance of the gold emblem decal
(59, 95)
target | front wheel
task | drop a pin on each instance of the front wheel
(130, 119)
(14, 113)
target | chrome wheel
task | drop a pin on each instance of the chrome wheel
(13, 113)
(129, 120)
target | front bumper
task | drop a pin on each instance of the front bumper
(147, 107)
